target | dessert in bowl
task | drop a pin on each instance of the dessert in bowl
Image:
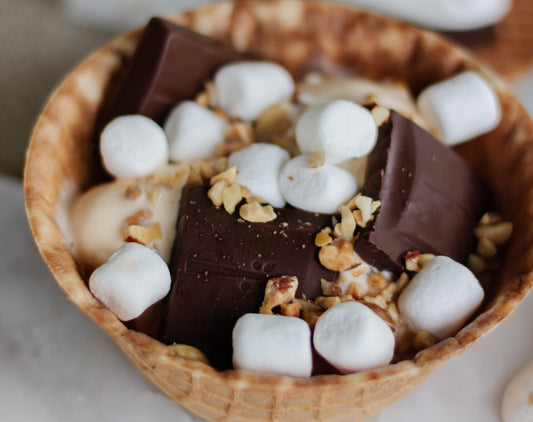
(304, 37)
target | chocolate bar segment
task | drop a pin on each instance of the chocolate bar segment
(430, 198)
(171, 64)
(221, 264)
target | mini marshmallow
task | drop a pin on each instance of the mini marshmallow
(246, 89)
(353, 338)
(134, 278)
(516, 402)
(193, 131)
(274, 344)
(133, 146)
(341, 128)
(258, 168)
(440, 298)
(316, 189)
(461, 107)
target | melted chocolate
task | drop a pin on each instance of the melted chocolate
(171, 64)
(220, 266)
(430, 198)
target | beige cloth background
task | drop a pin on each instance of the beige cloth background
(38, 45)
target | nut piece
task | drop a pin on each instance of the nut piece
(237, 136)
(227, 175)
(171, 176)
(316, 159)
(215, 192)
(337, 256)
(380, 114)
(140, 217)
(231, 196)
(290, 309)
(311, 317)
(476, 263)
(498, 234)
(323, 238)
(327, 302)
(142, 234)
(348, 224)
(257, 213)
(188, 352)
(273, 122)
(423, 339)
(133, 192)
(486, 248)
(278, 291)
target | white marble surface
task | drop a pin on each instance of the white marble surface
(56, 365)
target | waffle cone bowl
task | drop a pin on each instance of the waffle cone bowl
(303, 36)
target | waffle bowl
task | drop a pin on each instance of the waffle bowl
(303, 36)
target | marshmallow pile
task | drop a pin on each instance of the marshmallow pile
(440, 298)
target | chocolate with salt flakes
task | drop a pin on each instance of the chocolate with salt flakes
(171, 64)
(431, 200)
(220, 266)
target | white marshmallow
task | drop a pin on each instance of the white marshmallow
(440, 298)
(133, 278)
(258, 168)
(321, 189)
(246, 89)
(516, 402)
(461, 107)
(452, 15)
(272, 343)
(133, 146)
(193, 131)
(341, 128)
(353, 338)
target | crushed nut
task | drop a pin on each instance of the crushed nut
(246, 193)
(257, 213)
(227, 175)
(380, 115)
(356, 291)
(337, 256)
(133, 192)
(498, 233)
(423, 339)
(316, 159)
(394, 314)
(330, 288)
(477, 264)
(273, 122)
(307, 305)
(238, 136)
(311, 317)
(278, 291)
(215, 192)
(323, 238)
(377, 300)
(188, 352)
(364, 203)
(486, 248)
(290, 309)
(411, 261)
(231, 196)
(327, 302)
(142, 234)
(402, 281)
(376, 282)
(490, 218)
(153, 194)
(347, 224)
(140, 217)
(424, 259)
(387, 292)
(171, 176)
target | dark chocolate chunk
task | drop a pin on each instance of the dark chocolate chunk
(220, 266)
(171, 64)
(430, 198)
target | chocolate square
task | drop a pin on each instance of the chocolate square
(431, 200)
(220, 266)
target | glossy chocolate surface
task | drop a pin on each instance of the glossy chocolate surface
(220, 266)
(430, 198)
(171, 64)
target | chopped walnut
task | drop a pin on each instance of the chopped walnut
(327, 302)
(477, 263)
(337, 256)
(316, 159)
(273, 122)
(257, 213)
(307, 305)
(323, 238)
(290, 309)
(376, 282)
(347, 224)
(227, 175)
(278, 291)
(311, 317)
(215, 192)
(237, 136)
(330, 288)
(231, 196)
(142, 234)
(486, 248)
(497, 234)
(153, 194)
(380, 115)
(171, 176)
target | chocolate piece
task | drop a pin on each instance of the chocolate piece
(171, 64)
(430, 199)
(220, 266)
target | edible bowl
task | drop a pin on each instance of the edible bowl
(303, 36)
